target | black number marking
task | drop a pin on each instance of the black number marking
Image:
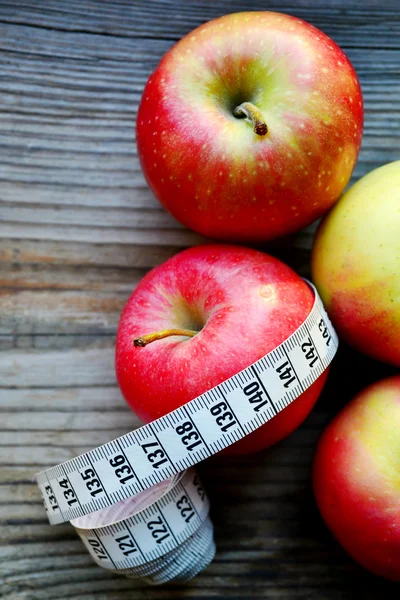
(325, 333)
(224, 417)
(286, 373)
(158, 528)
(199, 488)
(185, 507)
(186, 426)
(188, 432)
(98, 548)
(51, 497)
(88, 474)
(256, 395)
(93, 484)
(310, 352)
(68, 492)
(117, 460)
(123, 470)
(153, 455)
(126, 545)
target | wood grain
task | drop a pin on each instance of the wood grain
(79, 229)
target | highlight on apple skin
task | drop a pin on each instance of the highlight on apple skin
(250, 126)
(356, 475)
(356, 264)
(203, 316)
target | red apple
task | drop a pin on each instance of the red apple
(228, 307)
(250, 126)
(356, 264)
(357, 477)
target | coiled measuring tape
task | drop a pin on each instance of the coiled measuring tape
(137, 504)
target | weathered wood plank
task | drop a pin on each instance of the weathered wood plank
(87, 217)
(30, 368)
(66, 399)
(54, 312)
(67, 422)
(98, 235)
(51, 277)
(42, 455)
(52, 454)
(156, 19)
(276, 482)
(69, 253)
(53, 342)
(262, 514)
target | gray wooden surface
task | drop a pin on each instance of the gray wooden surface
(78, 231)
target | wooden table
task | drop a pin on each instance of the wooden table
(79, 229)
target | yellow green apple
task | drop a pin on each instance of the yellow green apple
(356, 264)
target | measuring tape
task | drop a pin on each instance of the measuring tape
(137, 504)
(169, 535)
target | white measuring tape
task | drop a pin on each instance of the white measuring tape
(136, 508)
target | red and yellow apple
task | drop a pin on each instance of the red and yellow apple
(356, 264)
(203, 316)
(357, 477)
(250, 126)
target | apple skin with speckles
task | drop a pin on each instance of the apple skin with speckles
(239, 303)
(356, 475)
(197, 143)
(356, 264)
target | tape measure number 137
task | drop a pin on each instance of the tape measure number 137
(136, 502)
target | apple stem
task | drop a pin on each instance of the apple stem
(253, 115)
(160, 335)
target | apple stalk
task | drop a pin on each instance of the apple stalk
(160, 335)
(253, 115)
